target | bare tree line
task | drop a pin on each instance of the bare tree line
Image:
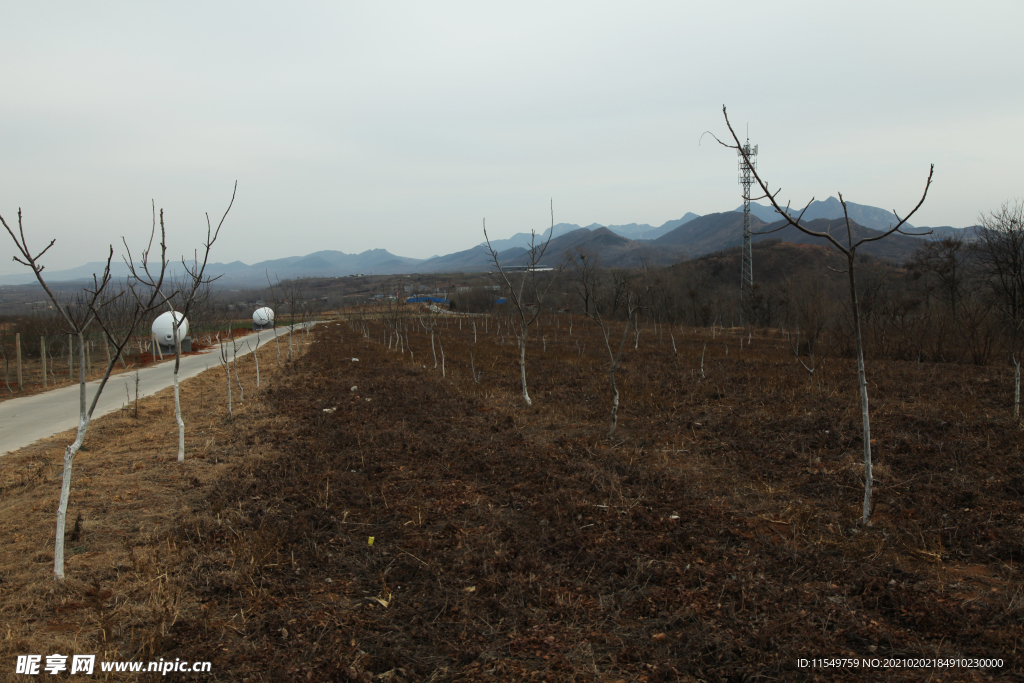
(955, 300)
(117, 312)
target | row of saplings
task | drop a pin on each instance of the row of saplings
(142, 293)
(119, 312)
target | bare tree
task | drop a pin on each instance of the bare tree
(256, 358)
(226, 359)
(849, 250)
(440, 345)
(428, 321)
(193, 283)
(77, 315)
(810, 316)
(234, 362)
(119, 318)
(1000, 254)
(697, 290)
(477, 376)
(311, 310)
(599, 300)
(529, 284)
(275, 298)
(291, 294)
(392, 310)
(943, 266)
(203, 310)
(979, 327)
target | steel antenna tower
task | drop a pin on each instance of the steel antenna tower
(747, 163)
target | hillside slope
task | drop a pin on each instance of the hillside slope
(718, 231)
(613, 251)
(709, 233)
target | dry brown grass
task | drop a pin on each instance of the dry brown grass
(123, 592)
(712, 538)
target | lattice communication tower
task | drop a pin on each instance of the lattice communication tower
(746, 166)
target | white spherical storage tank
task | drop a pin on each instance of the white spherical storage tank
(163, 328)
(263, 317)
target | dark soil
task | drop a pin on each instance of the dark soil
(409, 527)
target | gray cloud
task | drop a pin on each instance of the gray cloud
(402, 125)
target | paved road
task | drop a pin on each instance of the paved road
(24, 421)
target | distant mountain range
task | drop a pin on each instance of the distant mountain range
(868, 216)
(616, 245)
(720, 231)
(614, 250)
(633, 231)
(236, 273)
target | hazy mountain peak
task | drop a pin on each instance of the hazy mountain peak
(868, 216)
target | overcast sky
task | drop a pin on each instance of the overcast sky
(354, 126)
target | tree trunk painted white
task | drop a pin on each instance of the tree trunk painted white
(702, 357)
(442, 354)
(42, 357)
(65, 486)
(615, 404)
(522, 366)
(177, 396)
(1016, 388)
(136, 393)
(234, 351)
(673, 338)
(256, 357)
(178, 418)
(862, 380)
(278, 343)
(227, 374)
(65, 494)
(432, 347)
